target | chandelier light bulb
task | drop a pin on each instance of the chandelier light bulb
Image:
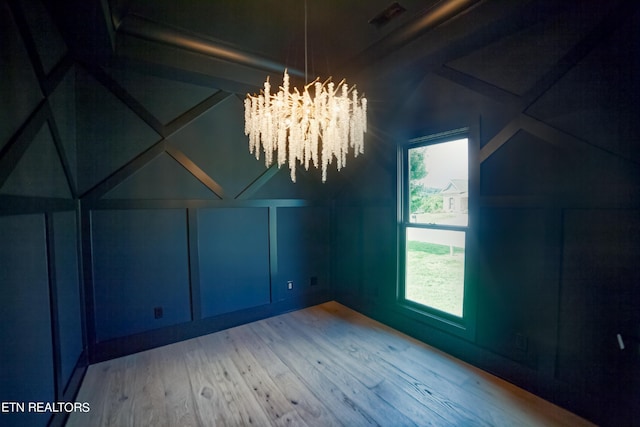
(303, 128)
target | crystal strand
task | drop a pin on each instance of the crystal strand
(344, 124)
(247, 115)
(293, 136)
(363, 120)
(353, 127)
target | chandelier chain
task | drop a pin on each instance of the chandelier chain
(306, 79)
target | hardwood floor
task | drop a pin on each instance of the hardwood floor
(322, 366)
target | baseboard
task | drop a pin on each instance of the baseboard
(119, 347)
(71, 390)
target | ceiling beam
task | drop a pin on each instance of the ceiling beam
(137, 26)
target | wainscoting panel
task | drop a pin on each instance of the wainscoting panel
(65, 242)
(140, 270)
(233, 254)
(303, 252)
(26, 353)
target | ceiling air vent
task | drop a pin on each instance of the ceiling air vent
(387, 15)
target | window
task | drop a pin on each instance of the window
(434, 226)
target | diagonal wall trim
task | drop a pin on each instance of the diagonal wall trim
(546, 133)
(478, 85)
(172, 127)
(564, 140)
(57, 74)
(599, 33)
(566, 63)
(125, 171)
(28, 41)
(507, 25)
(191, 115)
(55, 134)
(552, 135)
(128, 100)
(500, 139)
(258, 183)
(195, 170)
(12, 152)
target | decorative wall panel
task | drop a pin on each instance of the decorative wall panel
(379, 251)
(597, 100)
(599, 298)
(516, 63)
(49, 43)
(109, 134)
(233, 255)
(164, 98)
(512, 285)
(19, 89)
(217, 144)
(303, 251)
(26, 354)
(161, 179)
(526, 165)
(63, 107)
(140, 263)
(347, 258)
(70, 309)
(39, 172)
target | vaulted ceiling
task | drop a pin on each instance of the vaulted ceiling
(445, 60)
(232, 44)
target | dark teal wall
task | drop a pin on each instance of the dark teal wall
(27, 353)
(132, 213)
(177, 215)
(41, 311)
(233, 259)
(139, 263)
(555, 259)
(70, 312)
(123, 190)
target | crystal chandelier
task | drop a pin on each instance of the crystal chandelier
(305, 128)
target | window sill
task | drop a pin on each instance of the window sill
(459, 327)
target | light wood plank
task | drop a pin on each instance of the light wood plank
(355, 393)
(322, 366)
(148, 404)
(244, 367)
(311, 375)
(178, 399)
(310, 408)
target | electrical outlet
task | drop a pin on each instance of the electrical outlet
(290, 284)
(522, 342)
(157, 312)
